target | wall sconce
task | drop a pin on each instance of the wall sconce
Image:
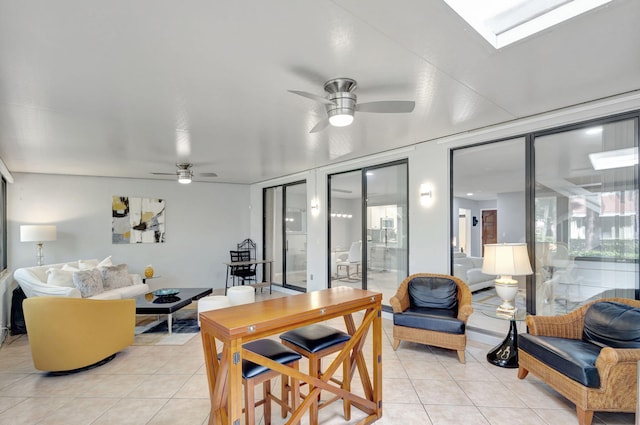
(315, 207)
(426, 194)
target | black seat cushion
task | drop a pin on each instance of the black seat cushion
(574, 358)
(432, 319)
(433, 292)
(611, 324)
(269, 349)
(314, 338)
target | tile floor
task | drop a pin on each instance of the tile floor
(168, 385)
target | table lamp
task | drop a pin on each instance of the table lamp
(38, 233)
(506, 260)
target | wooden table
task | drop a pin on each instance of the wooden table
(231, 264)
(237, 325)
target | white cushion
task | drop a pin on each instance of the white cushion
(89, 282)
(59, 277)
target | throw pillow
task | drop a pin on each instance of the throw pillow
(59, 277)
(114, 277)
(106, 262)
(89, 282)
(87, 264)
(68, 268)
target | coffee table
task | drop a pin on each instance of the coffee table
(152, 304)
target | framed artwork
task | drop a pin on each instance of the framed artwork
(137, 220)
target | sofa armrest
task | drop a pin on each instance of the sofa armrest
(33, 287)
(616, 364)
(565, 326)
(460, 271)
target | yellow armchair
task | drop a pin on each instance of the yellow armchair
(71, 333)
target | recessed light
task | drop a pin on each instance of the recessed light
(594, 130)
(470, 194)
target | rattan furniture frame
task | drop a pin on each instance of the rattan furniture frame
(618, 368)
(400, 302)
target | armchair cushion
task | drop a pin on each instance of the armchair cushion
(431, 319)
(433, 293)
(610, 324)
(572, 357)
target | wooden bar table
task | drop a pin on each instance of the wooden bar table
(234, 326)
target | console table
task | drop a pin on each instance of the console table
(262, 284)
(237, 325)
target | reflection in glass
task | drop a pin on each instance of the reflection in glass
(586, 221)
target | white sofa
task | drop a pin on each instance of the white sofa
(57, 280)
(469, 269)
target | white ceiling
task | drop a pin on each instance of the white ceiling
(100, 88)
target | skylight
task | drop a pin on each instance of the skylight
(502, 22)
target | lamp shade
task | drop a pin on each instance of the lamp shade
(506, 259)
(37, 233)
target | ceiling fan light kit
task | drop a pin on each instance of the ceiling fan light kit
(185, 173)
(341, 103)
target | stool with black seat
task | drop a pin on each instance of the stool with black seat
(315, 342)
(254, 374)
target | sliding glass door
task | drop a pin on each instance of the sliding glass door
(285, 233)
(368, 228)
(586, 215)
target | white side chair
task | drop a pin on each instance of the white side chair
(353, 260)
(212, 302)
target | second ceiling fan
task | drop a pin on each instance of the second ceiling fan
(341, 103)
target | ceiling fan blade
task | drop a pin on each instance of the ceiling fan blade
(387, 106)
(164, 174)
(207, 175)
(312, 96)
(320, 126)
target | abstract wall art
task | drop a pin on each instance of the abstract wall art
(137, 220)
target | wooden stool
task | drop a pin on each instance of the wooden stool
(254, 374)
(315, 342)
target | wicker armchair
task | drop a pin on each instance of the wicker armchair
(434, 326)
(617, 368)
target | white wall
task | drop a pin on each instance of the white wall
(511, 217)
(203, 222)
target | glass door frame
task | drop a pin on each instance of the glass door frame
(282, 229)
(363, 229)
(529, 140)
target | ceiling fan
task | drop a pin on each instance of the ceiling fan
(341, 103)
(184, 171)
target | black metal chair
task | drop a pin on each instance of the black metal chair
(242, 272)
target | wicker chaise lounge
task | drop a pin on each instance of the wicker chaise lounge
(432, 309)
(594, 365)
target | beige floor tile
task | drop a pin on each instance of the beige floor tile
(131, 412)
(490, 393)
(470, 371)
(9, 402)
(32, 410)
(513, 416)
(183, 412)
(398, 391)
(436, 391)
(421, 370)
(197, 386)
(455, 415)
(79, 411)
(535, 394)
(403, 414)
(159, 386)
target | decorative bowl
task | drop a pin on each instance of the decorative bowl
(166, 292)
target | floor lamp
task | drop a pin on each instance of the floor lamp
(38, 233)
